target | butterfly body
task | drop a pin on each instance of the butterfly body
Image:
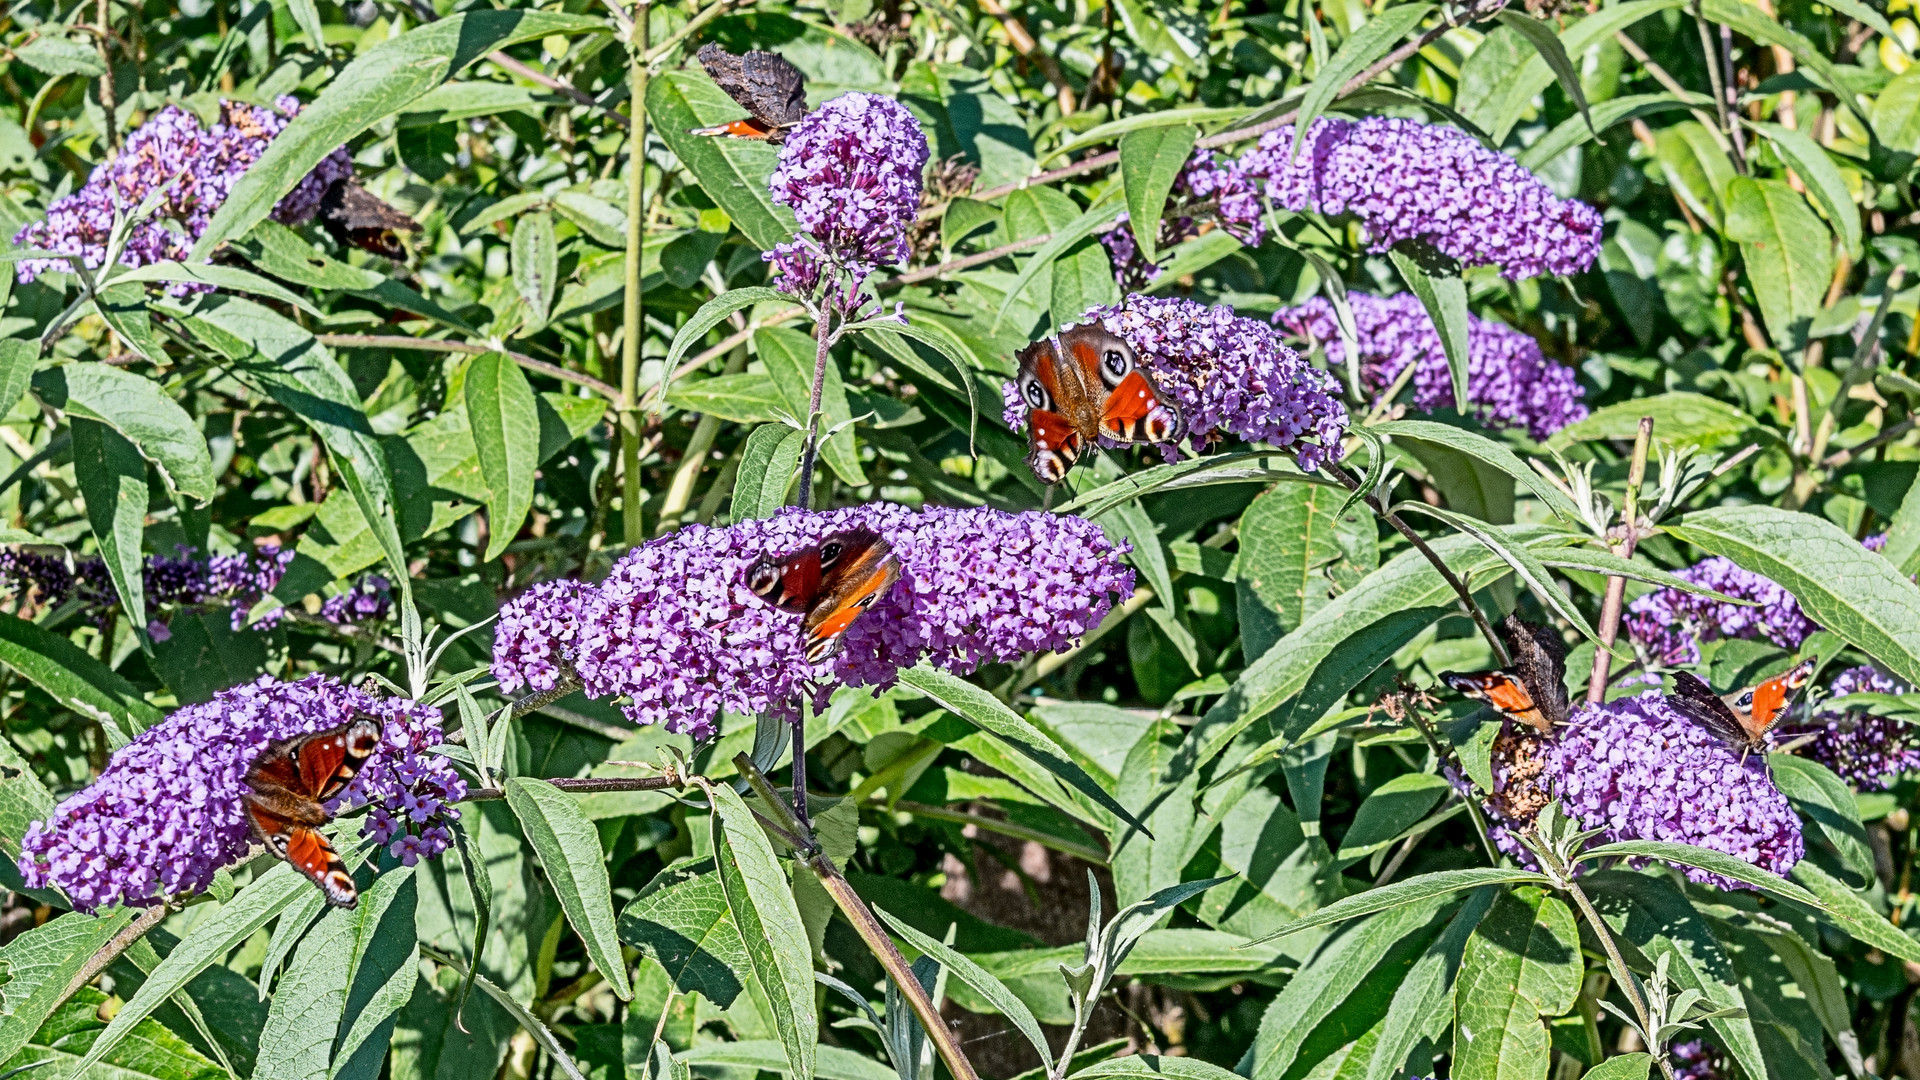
(288, 787)
(1081, 384)
(1534, 690)
(831, 583)
(765, 84)
(353, 215)
(1744, 719)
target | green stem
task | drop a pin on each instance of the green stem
(635, 329)
(822, 356)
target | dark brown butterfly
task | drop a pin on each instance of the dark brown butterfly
(1081, 384)
(1743, 719)
(1534, 690)
(764, 84)
(287, 791)
(353, 215)
(831, 583)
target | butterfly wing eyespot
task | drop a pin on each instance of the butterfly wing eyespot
(1034, 394)
(1767, 702)
(1135, 413)
(763, 578)
(313, 855)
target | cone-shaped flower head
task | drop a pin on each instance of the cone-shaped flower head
(1210, 191)
(1225, 374)
(676, 629)
(1670, 624)
(167, 811)
(1869, 752)
(1511, 384)
(193, 168)
(1410, 181)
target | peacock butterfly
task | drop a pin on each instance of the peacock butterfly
(1745, 718)
(1081, 384)
(288, 787)
(764, 84)
(1534, 690)
(830, 583)
(353, 215)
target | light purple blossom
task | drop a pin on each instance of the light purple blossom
(1867, 751)
(675, 629)
(1637, 769)
(1695, 1060)
(1510, 382)
(1410, 181)
(194, 170)
(852, 171)
(1668, 625)
(167, 811)
(1226, 375)
(1209, 191)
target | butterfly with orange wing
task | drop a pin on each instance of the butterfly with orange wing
(763, 83)
(287, 791)
(1743, 720)
(353, 215)
(1534, 690)
(830, 583)
(1083, 383)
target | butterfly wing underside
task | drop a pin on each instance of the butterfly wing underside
(353, 215)
(831, 583)
(1534, 690)
(287, 791)
(767, 85)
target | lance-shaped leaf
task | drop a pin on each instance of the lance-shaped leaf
(1444, 295)
(505, 421)
(1367, 44)
(1150, 161)
(142, 413)
(569, 849)
(761, 902)
(113, 479)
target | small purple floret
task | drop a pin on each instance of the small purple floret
(1670, 624)
(1867, 751)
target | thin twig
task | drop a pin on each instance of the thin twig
(1841, 457)
(587, 784)
(926, 273)
(111, 951)
(560, 86)
(1616, 592)
(403, 341)
(1112, 157)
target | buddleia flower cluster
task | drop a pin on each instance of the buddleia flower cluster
(676, 631)
(1226, 374)
(1510, 383)
(185, 579)
(1636, 768)
(1404, 180)
(1669, 625)
(192, 168)
(167, 811)
(1867, 751)
(1695, 1059)
(851, 170)
(1210, 192)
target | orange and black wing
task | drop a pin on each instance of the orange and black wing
(1132, 409)
(1696, 700)
(312, 855)
(1540, 661)
(831, 583)
(1504, 691)
(353, 215)
(1769, 700)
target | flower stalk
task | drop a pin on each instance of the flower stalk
(1616, 593)
(634, 529)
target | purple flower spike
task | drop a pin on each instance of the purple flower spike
(1411, 181)
(1225, 374)
(167, 811)
(1639, 770)
(1208, 192)
(851, 170)
(1511, 383)
(1869, 752)
(675, 629)
(1669, 624)
(195, 171)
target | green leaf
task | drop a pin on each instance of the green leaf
(1150, 161)
(1096, 219)
(1788, 254)
(1849, 912)
(218, 276)
(149, 1051)
(780, 955)
(1104, 133)
(113, 479)
(1526, 565)
(310, 1006)
(1549, 47)
(763, 1055)
(75, 679)
(40, 963)
(543, 1036)
(307, 17)
(1755, 24)
(733, 172)
(1369, 43)
(710, 315)
(1444, 295)
(1825, 800)
(982, 981)
(1388, 811)
(1844, 587)
(1824, 182)
(1402, 893)
(1178, 1068)
(569, 849)
(1479, 446)
(379, 83)
(1575, 131)
(1516, 92)
(1703, 859)
(990, 714)
(1232, 468)
(1522, 963)
(684, 924)
(1299, 545)
(18, 358)
(1634, 1066)
(767, 467)
(789, 357)
(1606, 562)
(1422, 1005)
(51, 54)
(536, 264)
(141, 412)
(209, 942)
(505, 422)
(1682, 419)
(750, 397)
